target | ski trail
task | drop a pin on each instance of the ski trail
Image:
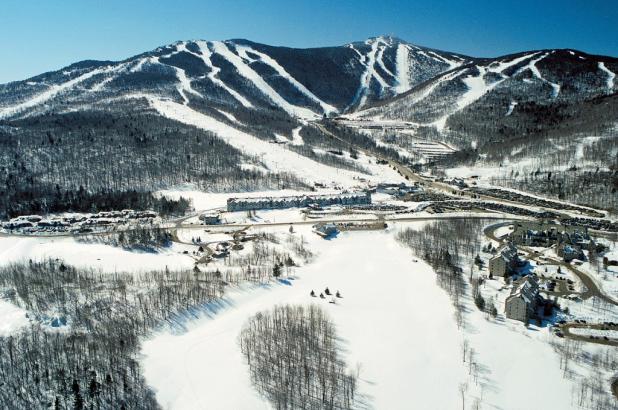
(184, 85)
(451, 64)
(140, 64)
(205, 55)
(276, 157)
(47, 95)
(99, 86)
(511, 108)
(535, 71)
(368, 61)
(477, 87)
(229, 116)
(297, 139)
(403, 69)
(501, 66)
(327, 108)
(371, 61)
(247, 72)
(380, 61)
(610, 77)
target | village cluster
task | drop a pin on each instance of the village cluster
(567, 243)
(77, 223)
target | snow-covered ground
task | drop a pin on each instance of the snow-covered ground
(92, 255)
(12, 318)
(396, 326)
(605, 278)
(382, 319)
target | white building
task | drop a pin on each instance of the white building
(522, 302)
(505, 261)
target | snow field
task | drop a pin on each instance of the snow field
(92, 255)
(396, 325)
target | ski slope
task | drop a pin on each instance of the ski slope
(276, 157)
(402, 60)
(91, 255)
(535, 71)
(246, 71)
(205, 55)
(611, 76)
(242, 51)
(53, 91)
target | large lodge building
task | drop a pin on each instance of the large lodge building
(250, 204)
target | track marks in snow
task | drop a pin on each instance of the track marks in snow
(611, 76)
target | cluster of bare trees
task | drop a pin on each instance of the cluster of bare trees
(144, 238)
(91, 360)
(267, 258)
(445, 245)
(590, 391)
(596, 188)
(294, 359)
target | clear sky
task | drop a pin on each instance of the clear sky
(44, 35)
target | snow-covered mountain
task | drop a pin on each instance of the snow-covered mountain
(240, 115)
(502, 86)
(306, 83)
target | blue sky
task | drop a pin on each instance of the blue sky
(44, 35)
